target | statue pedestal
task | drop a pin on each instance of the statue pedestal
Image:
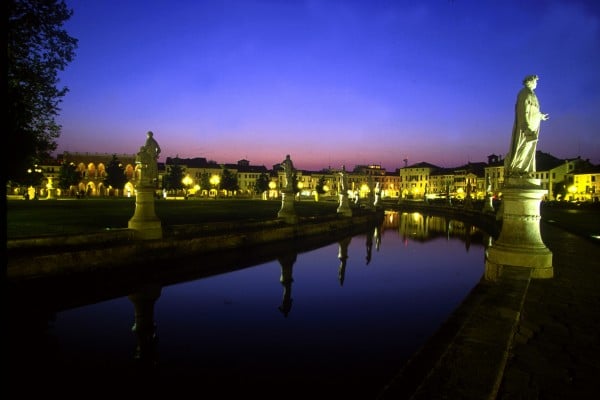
(344, 207)
(520, 242)
(488, 207)
(144, 220)
(51, 194)
(287, 211)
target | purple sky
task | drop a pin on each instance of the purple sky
(330, 82)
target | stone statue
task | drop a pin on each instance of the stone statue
(288, 167)
(377, 194)
(152, 146)
(520, 160)
(146, 160)
(343, 180)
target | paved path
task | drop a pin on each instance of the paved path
(520, 338)
(556, 351)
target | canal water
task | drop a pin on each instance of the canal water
(338, 321)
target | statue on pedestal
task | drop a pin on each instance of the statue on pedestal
(344, 207)
(520, 243)
(144, 221)
(288, 167)
(520, 160)
(146, 160)
(287, 211)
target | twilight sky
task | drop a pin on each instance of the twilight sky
(330, 82)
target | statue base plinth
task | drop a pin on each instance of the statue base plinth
(51, 194)
(144, 221)
(344, 207)
(520, 242)
(488, 207)
(287, 211)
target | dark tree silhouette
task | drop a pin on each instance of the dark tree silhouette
(37, 48)
(262, 183)
(115, 174)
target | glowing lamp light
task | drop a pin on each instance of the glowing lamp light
(215, 180)
(187, 181)
(272, 185)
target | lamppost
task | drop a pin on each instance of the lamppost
(572, 190)
(272, 186)
(187, 181)
(214, 181)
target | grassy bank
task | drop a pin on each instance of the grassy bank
(43, 217)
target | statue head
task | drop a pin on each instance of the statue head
(530, 80)
(150, 133)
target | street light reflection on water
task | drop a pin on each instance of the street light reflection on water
(340, 320)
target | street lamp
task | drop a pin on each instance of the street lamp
(187, 181)
(214, 181)
(572, 190)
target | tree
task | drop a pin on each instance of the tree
(295, 183)
(229, 181)
(37, 49)
(173, 178)
(115, 174)
(262, 183)
(68, 176)
(320, 185)
(205, 181)
(33, 177)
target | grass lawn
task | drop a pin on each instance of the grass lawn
(70, 216)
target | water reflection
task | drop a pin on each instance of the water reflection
(343, 257)
(347, 334)
(144, 326)
(287, 264)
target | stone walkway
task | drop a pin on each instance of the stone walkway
(556, 351)
(518, 338)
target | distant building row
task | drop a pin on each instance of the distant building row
(571, 179)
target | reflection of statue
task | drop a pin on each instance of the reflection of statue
(144, 326)
(288, 167)
(343, 257)
(287, 263)
(520, 160)
(370, 234)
